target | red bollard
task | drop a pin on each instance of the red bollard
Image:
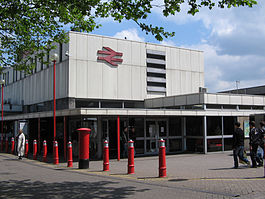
(162, 159)
(12, 145)
(26, 148)
(6, 144)
(84, 148)
(56, 155)
(106, 156)
(35, 150)
(44, 156)
(130, 157)
(70, 155)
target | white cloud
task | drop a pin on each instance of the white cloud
(222, 71)
(234, 49)
(130, 34)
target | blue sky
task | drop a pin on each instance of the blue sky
(233, 41)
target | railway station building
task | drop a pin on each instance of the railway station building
(112, 85)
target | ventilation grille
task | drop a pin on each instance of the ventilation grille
(156, 71)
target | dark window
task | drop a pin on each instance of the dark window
(194, 126)
(229, 106)
(175, 145)
(133, 104)
(214, 145)
(194, 145)
(139, 146)
(108, 104)
(86, 104)
(228, 144)
(136, 127)
(175, 126)
(213, 106)
(214, 126)
(229, 123)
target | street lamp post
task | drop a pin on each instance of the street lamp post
(54, 59)
(2, 82)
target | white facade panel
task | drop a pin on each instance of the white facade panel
(94, 80)
(258, 101)
(126, 48)
(248, 100)
(82, 75)
(81, 80)
(124, 83)
(235, 100)
(136, 54)
(110, 82)
(93, 43)
(81, 47)
(195, 82)
(223, 99)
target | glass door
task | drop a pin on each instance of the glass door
(155, 130)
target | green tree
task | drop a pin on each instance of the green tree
(31, 26)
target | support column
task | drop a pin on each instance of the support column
(99, 138)
(183, 132)
(223, 141)
(64, 137)
(118, 138)
(39, 135)
(205, 134)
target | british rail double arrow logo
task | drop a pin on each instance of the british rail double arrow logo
(110, 58)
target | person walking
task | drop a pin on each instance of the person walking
(20, 144)
(238, 146)
(260, 151)
(254, 141)
(124, 139)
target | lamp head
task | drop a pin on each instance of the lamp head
(55, 57)
(2, 81)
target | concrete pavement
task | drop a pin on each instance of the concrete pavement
(189, 176)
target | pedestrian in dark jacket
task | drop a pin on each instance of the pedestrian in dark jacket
(254, 142)
(261, 143)
(238, 145)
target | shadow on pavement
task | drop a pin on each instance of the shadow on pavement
(230, 168)
(101, 189)
(178, 180)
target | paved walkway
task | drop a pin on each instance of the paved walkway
(189, 176)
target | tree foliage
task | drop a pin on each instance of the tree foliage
(31, 26)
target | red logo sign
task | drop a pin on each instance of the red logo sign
(111, 56)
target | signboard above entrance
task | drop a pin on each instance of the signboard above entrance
(110, 58)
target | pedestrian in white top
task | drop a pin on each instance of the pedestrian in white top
(20, 144)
